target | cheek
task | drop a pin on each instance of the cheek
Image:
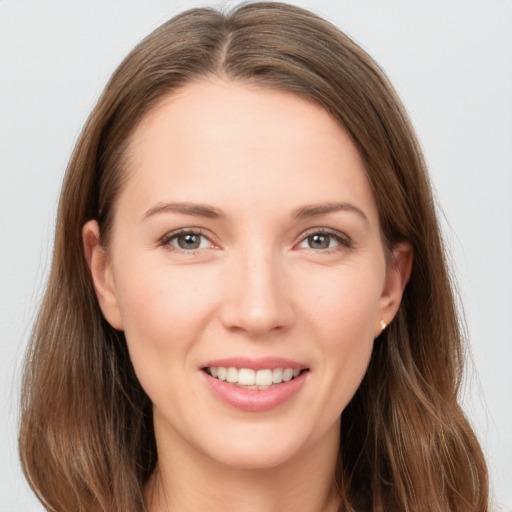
(349, 340)
(344, 314)
(163, 313)
(345, 303)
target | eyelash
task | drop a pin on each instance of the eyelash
(174, 235)
(341, 239)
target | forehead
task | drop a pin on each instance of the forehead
(242, 143)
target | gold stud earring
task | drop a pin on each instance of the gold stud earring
(383, 324)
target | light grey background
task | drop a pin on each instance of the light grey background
(451, 62)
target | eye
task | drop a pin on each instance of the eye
(319, 241)
(324, 240)
(186, 240)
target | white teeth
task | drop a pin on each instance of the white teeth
(246, 377)
(287, 374)
(263, 378)
(251, 379)
(277, 375)
(232, 375)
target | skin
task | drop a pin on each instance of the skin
(256, 286)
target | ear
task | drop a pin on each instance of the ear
(397, 276)
(101, 271)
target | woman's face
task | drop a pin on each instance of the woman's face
(247, 271)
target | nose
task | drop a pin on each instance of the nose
(257, 299)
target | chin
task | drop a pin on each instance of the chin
(256, 456)
(262, 447)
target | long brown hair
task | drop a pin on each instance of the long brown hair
(86, 437)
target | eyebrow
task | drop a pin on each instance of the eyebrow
(323, 209)
(204, 210)
(199, 210)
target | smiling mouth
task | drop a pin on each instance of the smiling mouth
(248, 378)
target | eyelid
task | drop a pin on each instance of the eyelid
(165, 240)
(343, 239)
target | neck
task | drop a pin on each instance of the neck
(185, 481)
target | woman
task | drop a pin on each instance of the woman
(249, 304)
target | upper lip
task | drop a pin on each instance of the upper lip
(261, 363)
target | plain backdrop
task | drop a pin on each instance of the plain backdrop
(451, 62)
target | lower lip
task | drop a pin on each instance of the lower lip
(254, 400)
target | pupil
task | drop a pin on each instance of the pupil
(189, 241)
(319, 241)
